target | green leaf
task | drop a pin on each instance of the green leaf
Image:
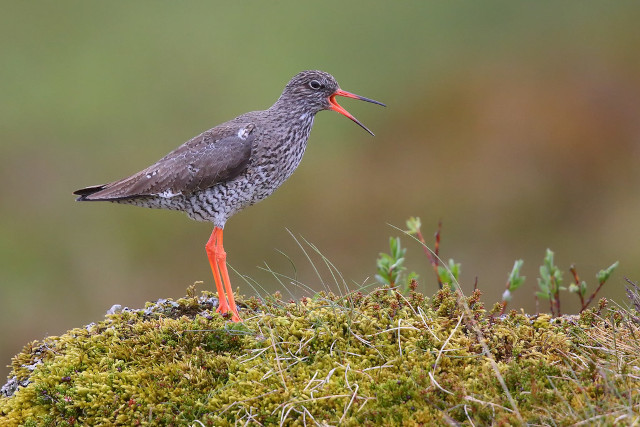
(389, 266)
(544, 286)
(394, 245)
(557, 275)
(454, 268)
(542, 295)
(443, 274)
(583, 288)
(515, 280)
(413, 225)
(603, 275)
(550, 276)
(544, 274)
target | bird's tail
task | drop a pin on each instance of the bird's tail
(85, 193)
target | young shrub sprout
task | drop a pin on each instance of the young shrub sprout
(391, 268)
(580, 287)
(550, 284)
(413, 228)
(514, 281)
(449, 275)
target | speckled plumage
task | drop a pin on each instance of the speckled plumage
(234, 165)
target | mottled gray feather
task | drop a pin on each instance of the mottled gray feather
(214, 156)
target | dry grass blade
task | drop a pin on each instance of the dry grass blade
(442, 348)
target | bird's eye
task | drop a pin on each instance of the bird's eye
(315, 85)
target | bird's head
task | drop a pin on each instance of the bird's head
(314, 91)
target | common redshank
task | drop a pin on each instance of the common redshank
(232, 166)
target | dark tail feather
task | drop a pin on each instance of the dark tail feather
(84, 193)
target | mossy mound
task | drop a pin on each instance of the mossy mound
(376, 359)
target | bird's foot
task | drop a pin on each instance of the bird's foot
(235, 317)
(223, 307)
(225, 312)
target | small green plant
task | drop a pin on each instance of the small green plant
(579, 287)
(550, 284)
(449, 275)
(391, 268)
(514, 281)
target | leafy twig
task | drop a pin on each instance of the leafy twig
(413, 225)
(391, 266)
(513, 282)
(550, 283)
(449, 275)
(602, 276)
(577, 287)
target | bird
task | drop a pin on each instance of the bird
(232, 166)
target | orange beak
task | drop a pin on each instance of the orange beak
(337, 107)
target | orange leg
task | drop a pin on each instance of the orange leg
(223, 307)
(218, 260)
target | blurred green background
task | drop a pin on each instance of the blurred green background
(515, 123)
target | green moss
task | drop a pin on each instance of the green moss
(376, 359)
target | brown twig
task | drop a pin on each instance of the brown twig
(576, 278)
(593, 295)
(436, 250)
(504, 307)
(504, 303)
(557, 295)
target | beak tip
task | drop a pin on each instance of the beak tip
(336, 107)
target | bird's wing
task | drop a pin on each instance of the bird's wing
(217, 155)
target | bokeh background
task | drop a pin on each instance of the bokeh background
(515, 123)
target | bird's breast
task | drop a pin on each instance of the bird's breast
(276, 158)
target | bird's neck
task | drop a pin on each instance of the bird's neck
(294, 120)
(291, 113)
(288, 136)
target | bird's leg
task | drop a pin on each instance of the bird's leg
(221, 257)
(211, 248)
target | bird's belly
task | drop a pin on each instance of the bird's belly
(264, 184)
(218, 203)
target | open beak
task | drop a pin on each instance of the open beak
(337, 107)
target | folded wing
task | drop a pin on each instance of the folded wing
(217, 155)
